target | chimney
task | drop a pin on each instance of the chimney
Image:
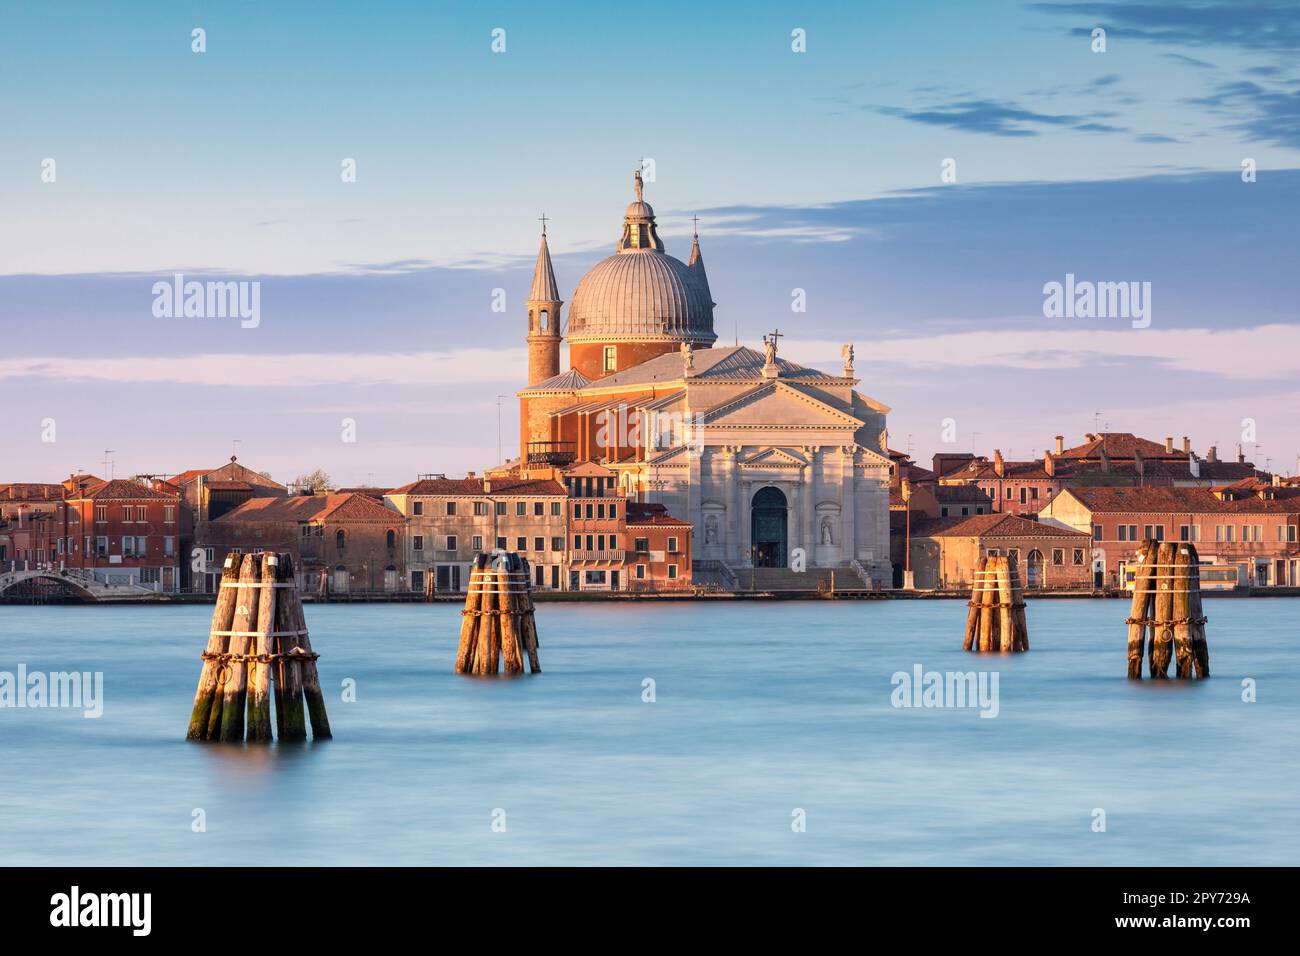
(1187, 445)
(999, 466)
(1213, 454)
(1241, 455)
(1060, 444)
(1277, 481)
(1169, 444)
(1090, 436)
(1105, 461)
(1049, 463)
(469, 474)
(1194, 464)
(1138, 464)
(487, 486)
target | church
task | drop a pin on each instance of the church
(776, 465)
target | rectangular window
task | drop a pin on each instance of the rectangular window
(521, 509)
(1033, 494)
(640, 572)
(539, 544)
(588, 511)
(101, 512)
(611, 358)
(417, 508)
(577, 542)
(1097, 532)
(501, 543)
(577, 511)
(480, 507)
(521, 543)
(169, 514)
(539, 508)
(126, 512)
(557, 544)
(589, 543)
(672, 545)
(600, 510)
(539, 578)
(600, 542)
(1058, 556)
(501, 507)
(1024, 495)
(451, 508)
(555, 508)
(451, 542)
(642, 545)
(169, 545)
(477, 542)
(1291, 533)
(613, 542)
(672, 572)
(417, 542)
(1078, 557)
(1009, 493)
(128, 547)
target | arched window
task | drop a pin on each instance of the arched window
(543, 320)
(392, 538)
(340, 539)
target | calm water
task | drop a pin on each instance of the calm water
(760, 709)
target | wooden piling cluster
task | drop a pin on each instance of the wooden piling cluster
(1166, 619)
(995, 619)
(258, 649)
(497, 626)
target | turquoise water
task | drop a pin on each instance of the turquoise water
(760, 709)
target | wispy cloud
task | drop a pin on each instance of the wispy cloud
(1256, 26)
(293, 370)
(983, 116)
(1253, 354)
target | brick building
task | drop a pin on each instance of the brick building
(659, 549)
(123, 531)
(350, 541)
(945, 551)
(1253, 526)
(450, 520)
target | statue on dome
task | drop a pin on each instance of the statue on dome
(637, 184)
(688, 356)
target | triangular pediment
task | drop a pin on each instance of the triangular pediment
(775, 457)
(777, 403)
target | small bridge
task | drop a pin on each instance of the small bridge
(73, 582)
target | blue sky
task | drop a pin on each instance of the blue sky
(816, 170)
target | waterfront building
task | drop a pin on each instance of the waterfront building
(759, 454)
(450, 520)
(946, 551)
(349, 541)
(1253, 526)
(122, 531)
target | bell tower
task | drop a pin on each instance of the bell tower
(543, 318)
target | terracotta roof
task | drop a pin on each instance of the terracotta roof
(1120, 445)
(333, 506)
(1166, 500)
(185, 477)
(125, 489)
(991, 526)
(946, 494)
(569, 381)
(353, 506)
(642, 514)
(229, 486)
(983, 469)
(30, 491)
(473, 487)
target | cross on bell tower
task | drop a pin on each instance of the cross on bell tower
(543, 316)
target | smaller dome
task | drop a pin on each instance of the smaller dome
(639, 210)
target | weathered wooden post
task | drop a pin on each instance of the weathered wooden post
(497, 624)
(209, 682)
(236, 692)
(995, 617)
(1166, 612)
(258, 650)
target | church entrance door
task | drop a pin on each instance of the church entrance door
(768, 528)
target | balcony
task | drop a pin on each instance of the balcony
(558, 453)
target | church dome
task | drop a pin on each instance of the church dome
(641, 293)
